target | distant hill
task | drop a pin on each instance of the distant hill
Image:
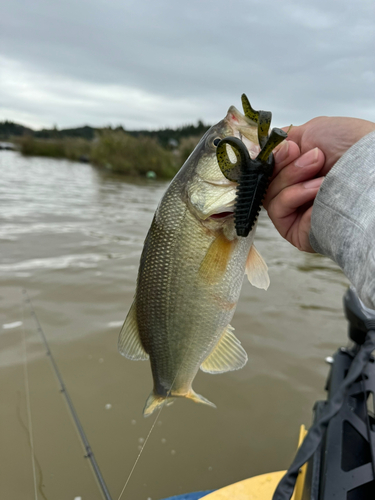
(9, 129)
(166, 137)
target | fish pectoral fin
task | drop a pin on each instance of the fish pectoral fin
(256, 269)
(228, 354)
(215, 262)
(129, 343)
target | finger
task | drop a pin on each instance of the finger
(282, 209)
(299, 232)
(286, 153)
(294, 133)
(304, 168)
(304, 232)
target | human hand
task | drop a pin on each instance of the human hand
(300, 166)
(332, 135)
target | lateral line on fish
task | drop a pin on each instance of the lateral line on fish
(28, 402)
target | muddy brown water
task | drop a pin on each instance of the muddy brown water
(72, 236)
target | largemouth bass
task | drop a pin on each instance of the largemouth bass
(191, 273)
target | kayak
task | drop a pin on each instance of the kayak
(257, 488)
(260, 487)
(336, 459)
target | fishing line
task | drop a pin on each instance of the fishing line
(157, 416)
(150, 431)
(87, 447)
(39, 470)
(28, 403)
(140, 453)
(89, 453)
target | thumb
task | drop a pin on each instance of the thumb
(294, 133)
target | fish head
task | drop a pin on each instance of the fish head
(210, 196)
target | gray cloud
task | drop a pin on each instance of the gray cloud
(152, 64)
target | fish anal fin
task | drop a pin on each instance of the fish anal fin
(216, 260)
(257, 270)
(129, 343)
(228, 354)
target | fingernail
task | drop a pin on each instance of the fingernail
(282, 152)
(307, 159)
(314, 183)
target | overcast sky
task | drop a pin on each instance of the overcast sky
(158, 63)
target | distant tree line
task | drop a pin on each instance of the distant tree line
(136, 152)
(167, 137)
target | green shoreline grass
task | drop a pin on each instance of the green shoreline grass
(114, 150)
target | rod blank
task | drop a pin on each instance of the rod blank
(63, 390)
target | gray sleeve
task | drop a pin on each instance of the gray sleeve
(343, 217)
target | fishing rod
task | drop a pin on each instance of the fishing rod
(64, 391)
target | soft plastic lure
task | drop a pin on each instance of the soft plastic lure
(252, 175)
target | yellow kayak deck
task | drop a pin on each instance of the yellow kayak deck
(260, 487)
(255, 488)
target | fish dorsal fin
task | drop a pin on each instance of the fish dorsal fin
(129, 343)
(256, 269)
(228, 354)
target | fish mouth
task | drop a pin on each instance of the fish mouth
(244, 129)
(238, 119)
(226, 213)
(221, 215)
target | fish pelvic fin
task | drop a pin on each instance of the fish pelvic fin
(129, 342)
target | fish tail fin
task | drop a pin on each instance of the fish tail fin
(197, 398)
(155, 402)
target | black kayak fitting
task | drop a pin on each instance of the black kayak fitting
(339, 448)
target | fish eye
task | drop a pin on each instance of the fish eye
(216, 141)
